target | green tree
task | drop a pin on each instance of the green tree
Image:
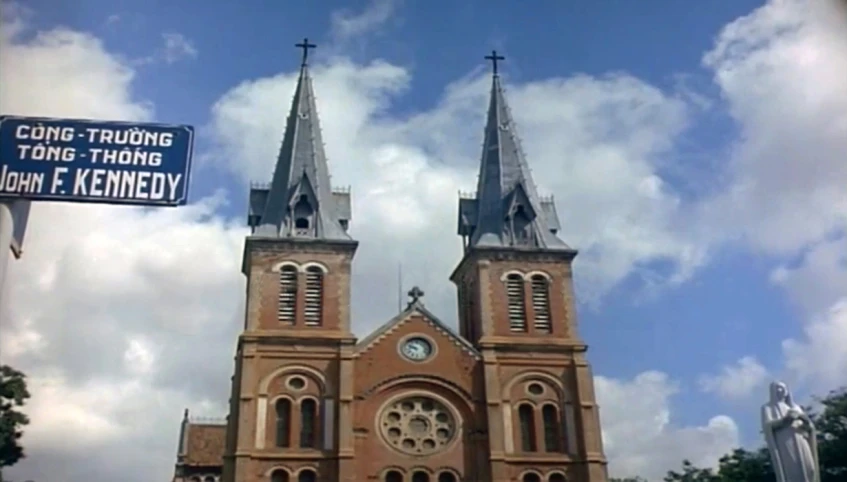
(13, 395)
(747, 466)
(831, 424)
(690, 473)
(628, 479)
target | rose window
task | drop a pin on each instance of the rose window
(417, 425)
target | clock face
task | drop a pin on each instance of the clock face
(416, 349)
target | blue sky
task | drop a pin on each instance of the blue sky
(732, 276)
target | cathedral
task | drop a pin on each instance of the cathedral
(510, 397)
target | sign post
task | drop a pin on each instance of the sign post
(87, 161)
(6, 229)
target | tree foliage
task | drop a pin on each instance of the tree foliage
(755, 466)
(13, 395)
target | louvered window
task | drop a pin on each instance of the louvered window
(287, 294)
(526, 417)
(314, 296)
(552, 428)
(541, 303)
(517, 309)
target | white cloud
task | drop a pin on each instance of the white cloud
(820, 278)
(406, 171)
(110, 302)
(781, 70)
(736, 382)
(177, 47)
(820, 357)
(640, 437)
(347, 24)
(93, 81)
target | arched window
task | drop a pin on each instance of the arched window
(283, 422)
(520, 227)
(393, 476)
(195, 479)
(541, 303)
(420, 477)
(287, 294)
(279, 476)
(209, 478)
(447, 477)
(307, 475)
(531, 477)
(517, 309)
(552, 428)
(557, 477)
(308, 414)
(526, 417)
(303, 213)
(314, 295)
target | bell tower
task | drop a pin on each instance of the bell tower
(516, 305)
(288, 390)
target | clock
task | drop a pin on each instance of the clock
(416, 348)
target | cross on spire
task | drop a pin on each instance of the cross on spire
(305, 45)
(415, 294)
(494, 58)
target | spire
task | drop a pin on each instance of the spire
(300, 202)
(506, 211)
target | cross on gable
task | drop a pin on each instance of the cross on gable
(494, 58)
(415, 294)
(305, 45)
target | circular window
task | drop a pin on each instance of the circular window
(535, 388)
(417, 425)
(296, 383)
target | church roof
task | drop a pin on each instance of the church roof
(203, 444)
(415, 307)
(505, 186)
(300, 187)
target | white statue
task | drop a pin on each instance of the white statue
(791, 437)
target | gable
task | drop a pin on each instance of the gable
(417, 314)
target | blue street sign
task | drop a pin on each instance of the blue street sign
(77, 160)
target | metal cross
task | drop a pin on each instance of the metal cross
(305, 46)
(494, 58)
(415, 294)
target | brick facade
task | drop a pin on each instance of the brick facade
(479, 384)
(508, 398)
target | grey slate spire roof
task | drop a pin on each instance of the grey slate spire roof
(507, 210)
(300, 202)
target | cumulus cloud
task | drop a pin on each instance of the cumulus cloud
(781, 70)
(177, 47)
(346, 23)
(406, 171)
(639, 410)
(110, 304)
(736, 382)
(100, 314)
(819, 358)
